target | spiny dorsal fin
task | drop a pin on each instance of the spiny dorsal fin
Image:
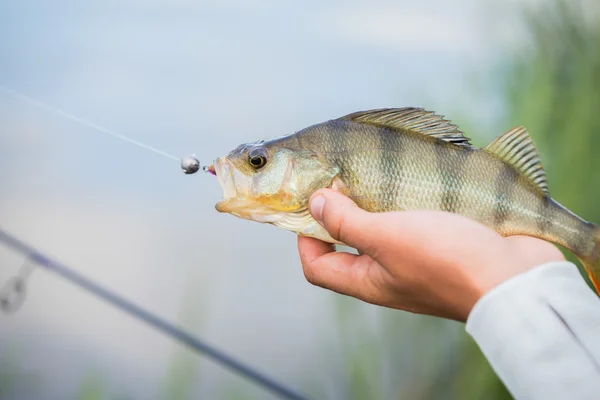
(516, 148)
(414, 120)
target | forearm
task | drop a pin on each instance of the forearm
(540, 331)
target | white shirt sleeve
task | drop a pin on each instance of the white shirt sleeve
(540, 332)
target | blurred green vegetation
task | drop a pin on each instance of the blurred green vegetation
(93, 387)
(9, 373)
(553, 89)
(183, 372)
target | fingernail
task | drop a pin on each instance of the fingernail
(316, 207)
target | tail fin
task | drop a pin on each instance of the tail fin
(591, 261)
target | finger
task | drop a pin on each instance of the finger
(343, 219)
(311, 249)
(343, 273)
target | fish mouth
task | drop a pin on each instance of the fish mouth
(224, 172)
(236, 190)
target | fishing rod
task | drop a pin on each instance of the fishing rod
(12, 295)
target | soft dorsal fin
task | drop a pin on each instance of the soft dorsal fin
(516, 148)
(414, 120)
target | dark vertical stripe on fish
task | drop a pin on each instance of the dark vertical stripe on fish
(398, 169)
(339, 141)
(298, 141)
(504, 188)
(450, 169)
(544, 221)
(332, 143)
(389, 164)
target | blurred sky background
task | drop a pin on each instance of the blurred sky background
(203, 77)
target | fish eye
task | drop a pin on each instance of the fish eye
(257, 158)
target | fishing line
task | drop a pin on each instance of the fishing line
(35, 257)
(189, 164)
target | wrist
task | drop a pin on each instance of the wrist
(526, 278)
(522, 254)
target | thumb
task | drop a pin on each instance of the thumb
(343, 219)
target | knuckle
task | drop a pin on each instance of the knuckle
(374, 248)
(310, 274)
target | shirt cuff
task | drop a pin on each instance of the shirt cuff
(540, 331)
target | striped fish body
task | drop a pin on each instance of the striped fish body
(389, 171)
(411, 159)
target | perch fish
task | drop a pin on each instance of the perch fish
(402, 159)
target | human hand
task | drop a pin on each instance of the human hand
(426, 262)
